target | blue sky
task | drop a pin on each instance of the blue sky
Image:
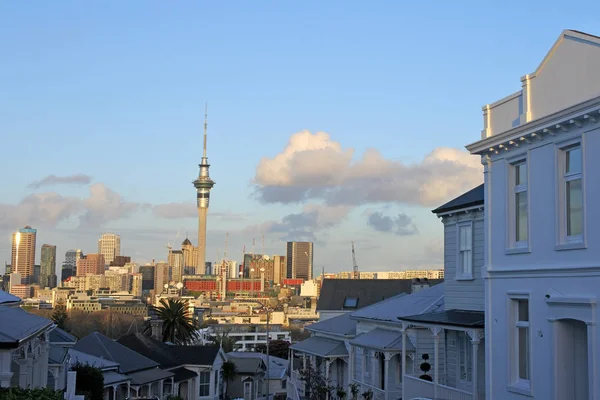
(115, 91)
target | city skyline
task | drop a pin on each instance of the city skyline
(358, 95)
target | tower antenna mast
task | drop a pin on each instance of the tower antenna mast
(355, 273)
(205, 129)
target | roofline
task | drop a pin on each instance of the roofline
(465, 208)
(340, 335)
(585, 107)
(14, 345)
(426, 324)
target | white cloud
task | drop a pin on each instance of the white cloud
(312, 166)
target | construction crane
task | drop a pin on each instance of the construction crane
(355, 273)
(224, 266)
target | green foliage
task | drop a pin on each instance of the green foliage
(316, 386)
(16, 393)
(60, 317)
(178, 325)
(354, 390)
(89, 382)
(368, 395)
(277, 348)
(229, 371)
(225, 341)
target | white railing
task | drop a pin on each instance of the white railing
(415, 387)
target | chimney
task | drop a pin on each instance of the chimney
(157, 329)
(419, 284)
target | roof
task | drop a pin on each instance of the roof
(84, 358)
(186, 242)
(149, 375)
(100, 346)
(183, 374)
(170, 355)
(247, 365)
(472, 198)
(322, 347)
(57, 354)
(58, 335)
(425, 300)
(342, 325)
(22, 326)
(368, 291)
(8, 298)
(277, 366)
(382, 339)
(113, 377)
(462, 318)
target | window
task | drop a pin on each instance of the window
(204, 383)
(465, 357)
(351, 302)
(571, 166)
(367, 361)
(465, 251)
(520, 363)
(520, 203)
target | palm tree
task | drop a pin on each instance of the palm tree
(178, 325)
(229, 371)
(225, 341)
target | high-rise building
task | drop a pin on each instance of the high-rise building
(161, 276)
(109, 245)
(23, 253)
(203, 186)
(300, 260)
(71, 257)
(147, 272)
(279, 269)
(120, 261)
(190, 254)
(91, 264)
(47, 264)
(176, 263)
(136, 285)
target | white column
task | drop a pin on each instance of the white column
(386, 376)
(403, 360)
(5, 367)
(436, 353)
(475, 369)
(327, 363)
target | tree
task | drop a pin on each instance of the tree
(229, 371)
(60, 317)
(316, 386)
(277, 348)
(178, 325)
(225, 341)
(89, 382)
(425, 367)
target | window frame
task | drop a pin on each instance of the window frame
(460, 273)
(515, 382)
(202, 385)
(514, 246)
(563, 240)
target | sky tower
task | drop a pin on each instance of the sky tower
(203, 185)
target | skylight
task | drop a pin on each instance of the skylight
(351, 302)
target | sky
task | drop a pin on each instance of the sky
(330, 122)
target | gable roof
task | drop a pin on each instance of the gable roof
(472, 198)
(341, 325)
(84, 358)
(22, 326)
(58, 335)
(99, 345)
(170, 355)
(277, 366)
(425, 300)
(368, 291)
(247, 365)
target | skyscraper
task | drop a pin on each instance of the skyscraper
(23, 253)
(47, 264)
(71, 257)
(203, 186)
(176, 264)
(109, 245)
(300, 260)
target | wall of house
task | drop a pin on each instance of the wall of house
(463, 294)
(424, 344)
(543, 198)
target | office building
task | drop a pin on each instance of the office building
(71, 257)
(109, 245)
(47, 264)
(300, 260)
(23, 253)
(90, 264)
(176, 263)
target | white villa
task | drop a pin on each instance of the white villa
(542, 203)
(380, 348)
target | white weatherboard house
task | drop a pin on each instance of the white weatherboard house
(542, 237)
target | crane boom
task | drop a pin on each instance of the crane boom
(355, 273)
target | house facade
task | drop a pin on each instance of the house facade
(250, 379)
(541, 262)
